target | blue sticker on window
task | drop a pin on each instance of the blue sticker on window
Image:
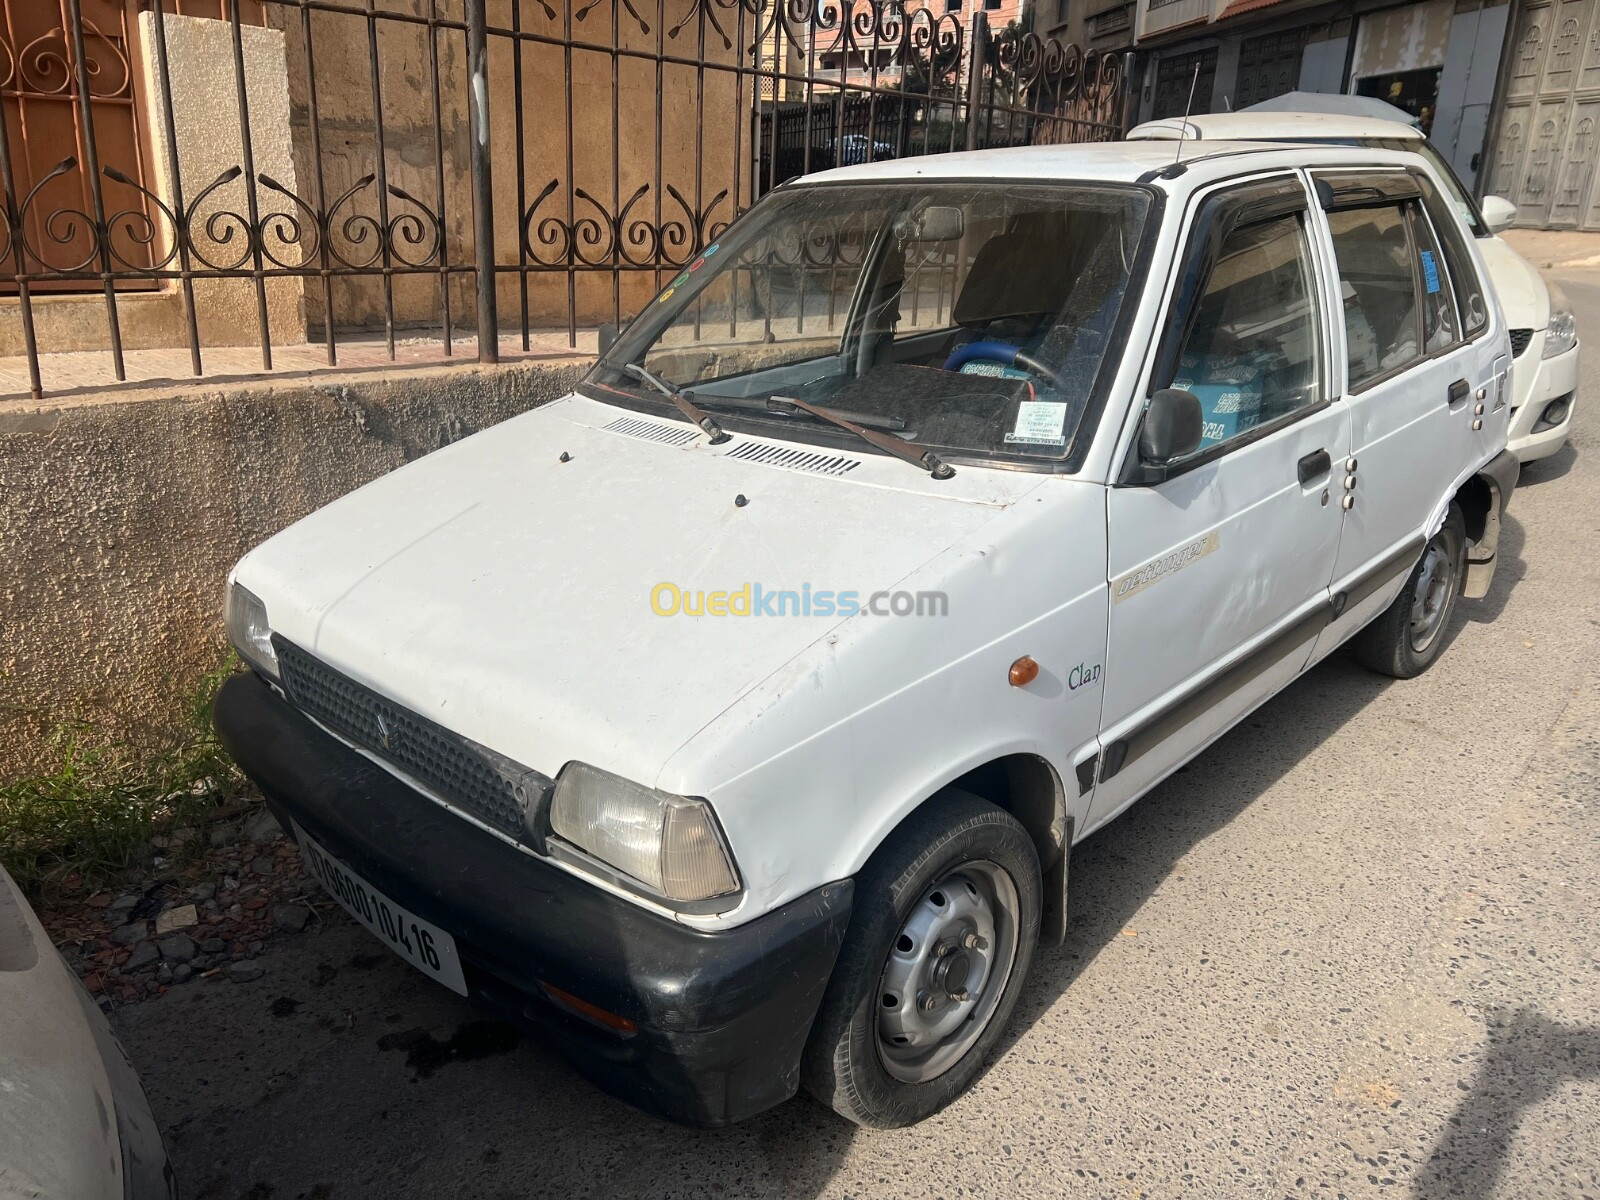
(1430, 272)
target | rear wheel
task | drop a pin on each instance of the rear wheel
(945, 921)
(1408, 635)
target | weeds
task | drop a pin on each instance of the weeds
(94, 813)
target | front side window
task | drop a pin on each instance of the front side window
(1383, 327)
(972, 317)
(1251, 353)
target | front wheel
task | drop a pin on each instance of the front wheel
(1407, 636)
(943, 931)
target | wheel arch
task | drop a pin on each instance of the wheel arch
(1029, 788)
(1482, 499)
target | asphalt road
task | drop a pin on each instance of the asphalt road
(1350, 951)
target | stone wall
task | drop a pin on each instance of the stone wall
(121, 516)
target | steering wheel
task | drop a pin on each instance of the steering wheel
(1005, 354)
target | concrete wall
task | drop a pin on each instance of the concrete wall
(122, 517)
(210, 141)
(658, 130)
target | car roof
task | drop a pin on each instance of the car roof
(1273, 126)
(1162, 163)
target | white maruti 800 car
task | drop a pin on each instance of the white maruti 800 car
(1544, 333)
(733, 718)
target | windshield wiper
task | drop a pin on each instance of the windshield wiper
(782, 406)
(914, 454)
(684, 405)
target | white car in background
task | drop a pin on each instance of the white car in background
(1544, 335)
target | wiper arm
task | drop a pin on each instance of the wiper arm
(684, 405)
(782, 406)
(910, 451)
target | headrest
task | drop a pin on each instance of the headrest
(1023, 272)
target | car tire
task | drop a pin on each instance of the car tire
(1409, 635)
(943, 929)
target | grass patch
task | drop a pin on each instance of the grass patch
(97, 810)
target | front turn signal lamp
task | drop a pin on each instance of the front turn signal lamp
(245, 618)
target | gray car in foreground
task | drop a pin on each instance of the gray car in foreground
(74, 1122)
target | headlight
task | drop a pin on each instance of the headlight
(671, 844)
(1562, 335)
(246, 620)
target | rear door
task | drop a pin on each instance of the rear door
(1219, 572)
(1419, 379)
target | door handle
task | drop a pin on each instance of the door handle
(1459, 391)
(1314, 465)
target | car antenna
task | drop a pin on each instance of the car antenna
(1187, 109)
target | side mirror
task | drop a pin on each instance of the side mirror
(1498, 213)
(1172, 426)
(606, 337)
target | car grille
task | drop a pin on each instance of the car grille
(489, 786)
(1519, 341)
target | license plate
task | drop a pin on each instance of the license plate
(426, 947)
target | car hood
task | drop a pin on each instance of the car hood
(506, 594)
(1524, 295)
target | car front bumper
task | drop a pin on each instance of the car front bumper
(720, 1018)
(1538, 383)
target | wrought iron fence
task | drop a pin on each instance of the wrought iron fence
(322, 169)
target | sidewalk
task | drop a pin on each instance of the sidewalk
(85, 372)
(1550, 248)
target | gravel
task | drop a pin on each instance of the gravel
(182, 916)
(245, 971)
(263, 829)
(131, 934)
(179, 947)
(144, 954)
(291, 918)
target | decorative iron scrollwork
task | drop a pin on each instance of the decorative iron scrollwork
(602, 239)
(147, 239)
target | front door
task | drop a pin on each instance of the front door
(1419, 379)
(1219, 573)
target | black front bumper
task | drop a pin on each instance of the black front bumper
(721, 1018)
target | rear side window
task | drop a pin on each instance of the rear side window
(1382, 321)
(1440, 327)
(1463, 275)
(1252, 350)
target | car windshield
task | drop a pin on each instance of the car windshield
(971, 317)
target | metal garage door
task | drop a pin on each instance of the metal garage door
(1544, 158)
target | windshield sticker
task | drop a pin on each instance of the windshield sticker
(1430, 272)
(1168, 564)
(711, 249)
(1039, 423)
(666, 295)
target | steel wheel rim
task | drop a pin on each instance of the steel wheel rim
(1431, 598)
(947, 969)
